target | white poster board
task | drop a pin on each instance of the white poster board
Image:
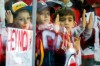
(19, 47)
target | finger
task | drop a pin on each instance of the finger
(83, 15)
(68, 38)
(63, 47)
(84, 12)
(10, 13)
(84, 18)
(57, 19)
(77, 38)
(6, 15)
(90, 23)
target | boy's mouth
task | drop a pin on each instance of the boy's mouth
(24, 27)
(67, 27)
(45, 20)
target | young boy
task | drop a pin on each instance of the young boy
(47, 40)
(66, 18)
(21, 17)
(42, 23)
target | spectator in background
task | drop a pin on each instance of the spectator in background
(67, 3)
(28, 2)
(92, 44)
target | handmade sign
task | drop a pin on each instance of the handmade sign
(19, 47)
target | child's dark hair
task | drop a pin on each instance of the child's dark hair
(64, 11)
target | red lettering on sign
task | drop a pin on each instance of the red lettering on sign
(13, 37)
(24, 41)
(19, 40)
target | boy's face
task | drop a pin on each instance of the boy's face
(23, 20)
(43, 17)
(67, 22)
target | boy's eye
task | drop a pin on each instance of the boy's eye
(62, 19)
(20, 19)
(28, 18)
(40, 13)
(48, 13)
(70, 20)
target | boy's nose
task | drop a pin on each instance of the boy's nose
(66, 22)
(46, 15)
(25, 21)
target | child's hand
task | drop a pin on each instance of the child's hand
(90, 23)
(66, 43)
(84, 19)
(77, 44)
(9, 16)
(57, 20)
